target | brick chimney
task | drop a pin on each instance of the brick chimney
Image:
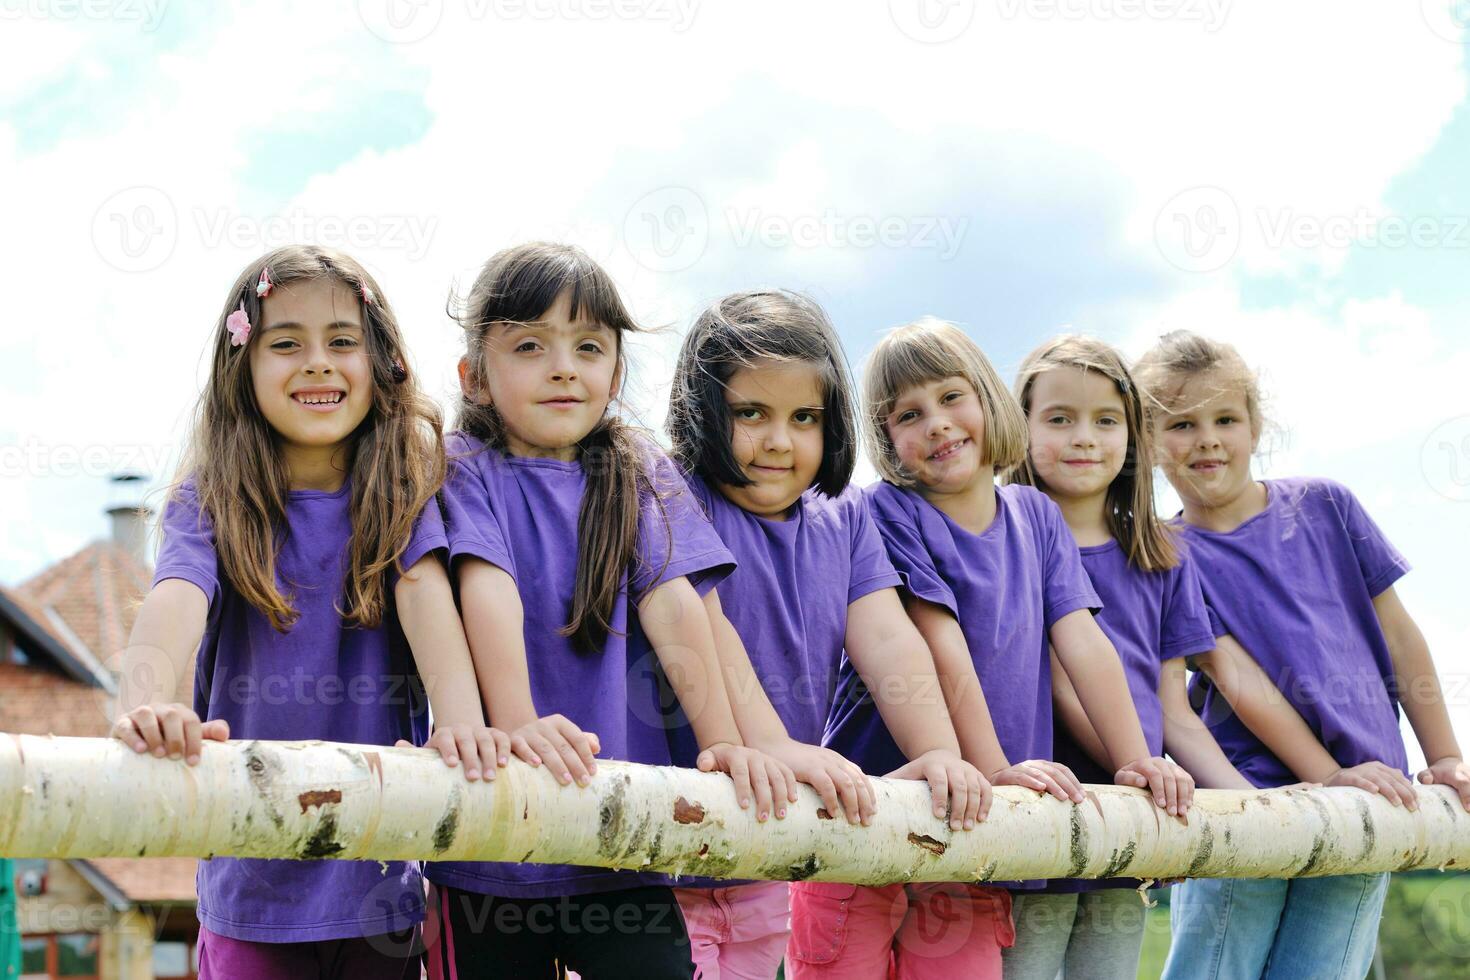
(130, 516)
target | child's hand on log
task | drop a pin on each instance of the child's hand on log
(1042, 776)
(481, 748)
(170, 729)
(1450, 771)
(1376, 777)
(843, 787)
(756, 775)
(954, 784)
(1173, 788)
(568, 752)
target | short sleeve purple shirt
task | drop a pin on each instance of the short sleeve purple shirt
(321, 679)
(1150, 617)
(1295, 586)
(521, 514)
(788, 598)
(1007, 587)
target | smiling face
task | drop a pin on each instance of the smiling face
(310, 369)
(775, 433)
(549, 380)
(1078, 427)
(938, 434)
(1205, 445)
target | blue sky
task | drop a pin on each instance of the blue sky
(1020, 167)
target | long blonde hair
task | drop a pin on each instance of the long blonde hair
(396, 457)
(1129, 508)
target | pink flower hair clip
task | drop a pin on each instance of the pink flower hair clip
(264, 287)
(367, 294)
(238, 324)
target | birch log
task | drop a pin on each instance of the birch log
(83, 798)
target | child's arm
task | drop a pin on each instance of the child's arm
(165, 638)
(841, 785)
(1271, 718)
(1069, 710)
(898, 670)
(674, 618)
(425, 604)
(1089, 658)
(494, 623)
(1420, 694)
(1188, 739)
(970, 713)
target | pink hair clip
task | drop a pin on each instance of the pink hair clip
(367, 294)
(238, 324)
(264, 287)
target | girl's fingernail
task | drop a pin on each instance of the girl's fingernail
(763, 815)
(504, 760)
(193, 760)
(472, 773)
(781, 813)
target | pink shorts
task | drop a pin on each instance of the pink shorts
(904, 932)
(737, 933)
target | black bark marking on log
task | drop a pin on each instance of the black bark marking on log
(527, 856)
(610, 817)
(1120, 860)
(805, 868)
(318, 797)
(1319, 847)
(323, 843)
(1078, 845)
(1206, 848)
(143, 850)
(688, 813)
(1370, 832)
(656, 848)
(930, 844)
(449, 823)
(1448, 809)
(703, 849)
(262, 770)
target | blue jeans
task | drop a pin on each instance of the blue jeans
(1242, 929)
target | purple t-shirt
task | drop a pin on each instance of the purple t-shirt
(1295, 586)
(1150, 617)
(322, 679)
(788, 598)
(520, 514)
(1006, 586)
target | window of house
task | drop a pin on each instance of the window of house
(171, 961)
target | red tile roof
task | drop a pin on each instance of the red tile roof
(96, 593)
(165, 879)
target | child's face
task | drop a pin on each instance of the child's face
(1078, 430)
(938, 433)
(775, 433)
(550, 380)
(1205, 445)
(310, 367)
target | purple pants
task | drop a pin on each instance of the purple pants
(391, 956)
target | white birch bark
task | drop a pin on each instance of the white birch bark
(82, 798)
